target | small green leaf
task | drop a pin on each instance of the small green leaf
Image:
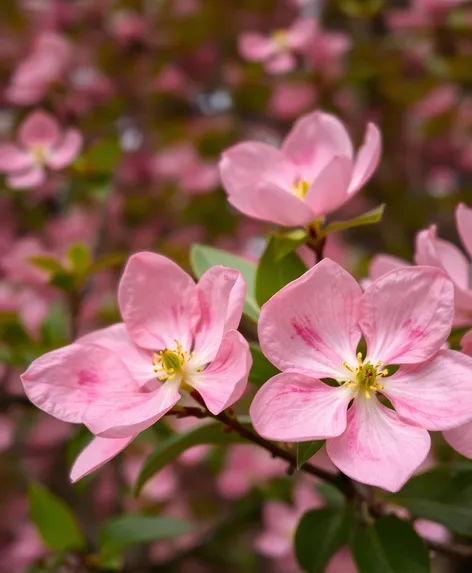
(285, 243)
(171, 447)
(79, 257)
(54, 328)
(106, 262)
(390, 545)
(46, 263)
(54, 519)
(261, 369)
(64, 281)
(272, 274)
(203, 258)
(305, 450)
(369, 218)
(320, 533)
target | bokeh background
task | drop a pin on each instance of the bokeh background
(158, 89)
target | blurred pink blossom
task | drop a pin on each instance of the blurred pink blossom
(291, 99)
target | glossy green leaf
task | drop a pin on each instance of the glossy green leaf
(305, 450)
(390, 545)
(261, 369)
(285, 243)
(203, 258)
(320, 533)
(273, 274)
(369, 218)
(54, 520)
(212, 432)
(47, 263)
(79, 257)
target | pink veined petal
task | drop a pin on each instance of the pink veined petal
(137, 360)
(65, 382)
(127, 414)
(255, 47)
(96, 454)
(39, 128)
(378, 448)
(292, 407)
(12, 158)
(382, 264)
(311, 325)
(406, 315)
(280, 63)
(314, 140)
(302, 33)
(225, 379)
(466, 343)
(66, 151)
(33, 177)
(460, 439)
(367, 159)
(435, 395)
(464, 226)
(158, 302)
(329, 190)
(221, 294)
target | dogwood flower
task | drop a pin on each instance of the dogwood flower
(311, 330)
(176, 337)
(41, 144)
(312, 175)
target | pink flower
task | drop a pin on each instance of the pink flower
(41, 144)
(277, 50)
(176, 337)
(311, 330)
(290, 99)
(313, 173)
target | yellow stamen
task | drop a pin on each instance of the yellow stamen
(300, 189)
(280, 38)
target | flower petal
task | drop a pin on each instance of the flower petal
(329, 189)
(255, 47)
(96, 454)
(67, 150)
(301, 33)
(464, 226)
(382, 264)
(406, 315)
(378, 448)
(65, 382)
(158, 302)
(311, 325)
(12, 158)
(292, 407)
(460, 439)
(281, 63)
(225, 380)
(367, 159)
(33, 177)
(437, 394)
(39, 128)
(221, 293)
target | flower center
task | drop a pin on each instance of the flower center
(39, 153)
(365, 376)
(170, 363)
(280, 39)
(300, 189)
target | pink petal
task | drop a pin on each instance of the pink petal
(225, 379)
(311, 325)
(314, 140)
(96, 454)
(464, 226)
(383, 264)
(435, 395)
(406, 315)
(126, 414)
(281, 63)
(158, 302)
(12, 158)
(67, 381)
(329, 190)
(460, 439)
(255, 47)
(292, 407)
(39, 128)
(34, 177)
(367, 159)
(378, 448)
(221, 293)
(301, 33)
(68, 149)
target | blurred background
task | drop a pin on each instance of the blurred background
(157, 89)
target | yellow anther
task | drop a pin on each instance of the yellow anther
(347, 367)
(280, 38)
(300, 189)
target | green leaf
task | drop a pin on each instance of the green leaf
(170, 448)
(128, 530)
(443, 495)
(46, 263)
(54, 519)
(101, 157)
(305, 450)
(203, 258)
(369, 218)
(261, 369)
(79, 256)
(64, 281)
(106, 262)
(320, 533)
(54, 328)
(391, 545)
(273, 274)
(285, 243)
